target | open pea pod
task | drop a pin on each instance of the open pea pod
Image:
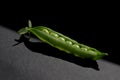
(63, 43)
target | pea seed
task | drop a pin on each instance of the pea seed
(92, 52)
(85, 49)
(45, 30)
(75, 45)
(54, 34)
(69, 42)
(61, 38)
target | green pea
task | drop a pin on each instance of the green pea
(62, 42)
(85, 49)
(45, 30)
(61, 38)
(69, 42)
(54, 34)
(76, 46)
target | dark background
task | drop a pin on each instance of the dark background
(93, 25)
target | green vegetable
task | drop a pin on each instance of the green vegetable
(62, 42)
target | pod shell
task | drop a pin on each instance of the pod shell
(61, 42)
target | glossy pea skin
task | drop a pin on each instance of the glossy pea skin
(64, 43)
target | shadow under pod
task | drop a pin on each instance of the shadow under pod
(46, 49)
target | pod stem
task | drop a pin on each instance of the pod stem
(29, 24)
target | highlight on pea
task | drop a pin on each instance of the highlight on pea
(62, 42)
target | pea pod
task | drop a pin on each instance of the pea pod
(62, 42)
